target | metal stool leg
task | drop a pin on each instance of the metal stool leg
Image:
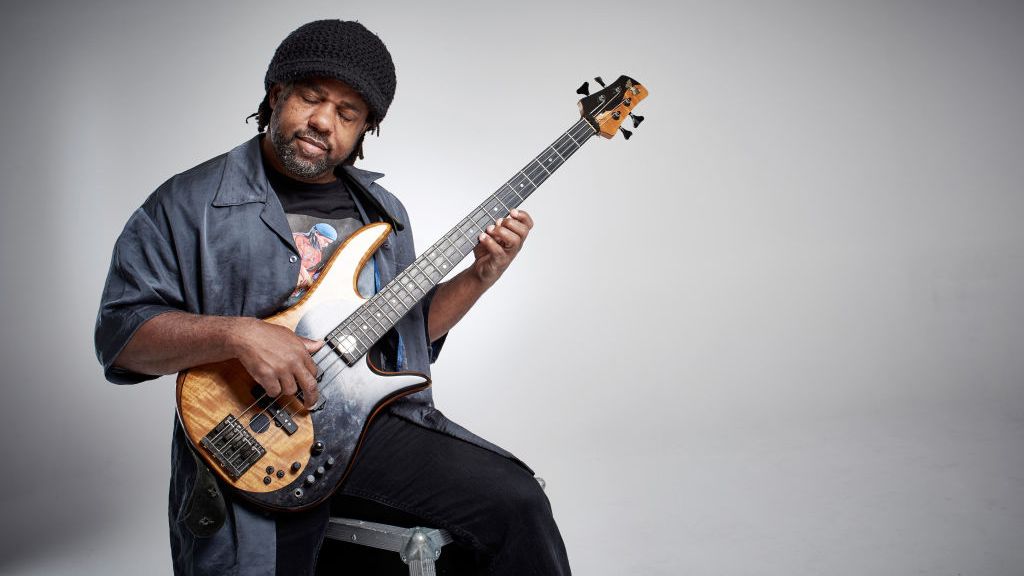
(417, 547)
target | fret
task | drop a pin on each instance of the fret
(542, 165)
(452, 250)
(367, 327)
(419, 275)
(379, 328)
(567, 148)
(364, 343)
(469, 231)
(433, 274)
(512, 190)
(555, 150)
(439, 260)
(380, 312)
(362, 331)
(483, 220)
(417, 282)
(570, 143)
(394, 300)
(398, 314)
(407, 287)
(448, 263)
(507, 209)
(465, 243)
(513, 197)
(521, 186)
(539, 176)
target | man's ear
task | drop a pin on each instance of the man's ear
(274, 94)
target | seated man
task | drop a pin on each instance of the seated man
(217, 247)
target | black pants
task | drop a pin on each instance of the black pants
(409, 476)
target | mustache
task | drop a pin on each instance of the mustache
(313, 136)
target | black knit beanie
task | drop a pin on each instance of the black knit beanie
(345, 51)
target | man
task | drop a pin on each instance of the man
(213, 249)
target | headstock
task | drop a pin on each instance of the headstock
(607, 110)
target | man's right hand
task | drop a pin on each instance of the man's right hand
(278, 359)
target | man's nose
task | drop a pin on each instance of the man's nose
(320, 120)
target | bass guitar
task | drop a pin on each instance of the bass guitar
(279, 455)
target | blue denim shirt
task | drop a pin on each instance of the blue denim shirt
(215, 240)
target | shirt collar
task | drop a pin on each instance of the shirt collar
(244, 179)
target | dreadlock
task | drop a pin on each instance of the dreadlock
(264, 112)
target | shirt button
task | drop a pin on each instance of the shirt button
(293, 258)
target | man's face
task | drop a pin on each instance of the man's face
(315, 126)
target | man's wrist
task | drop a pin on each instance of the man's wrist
(229, 332)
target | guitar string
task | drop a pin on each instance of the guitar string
(535, 172)
(241, 416)
(532, 173)
(255, 456)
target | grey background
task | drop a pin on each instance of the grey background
(778, 332)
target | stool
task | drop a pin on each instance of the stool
(418, 547)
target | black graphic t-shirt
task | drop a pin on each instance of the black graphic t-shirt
(321, 217)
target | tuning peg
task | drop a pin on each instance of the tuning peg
(636, 120)
(625, 133)
(599, 81)
(584, 89)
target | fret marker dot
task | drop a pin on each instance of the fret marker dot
(378, 314)
(364, 326)
(347, 343)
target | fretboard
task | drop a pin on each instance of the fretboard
(356, 334)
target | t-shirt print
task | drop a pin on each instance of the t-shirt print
(316, 239)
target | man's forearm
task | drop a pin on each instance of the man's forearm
(452, 300)
(173, 341)
(498, 245)
(275, 357)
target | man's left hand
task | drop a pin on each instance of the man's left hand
(499, 245)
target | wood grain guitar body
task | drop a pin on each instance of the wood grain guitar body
(275, 452)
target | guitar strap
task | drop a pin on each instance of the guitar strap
(205, 509)
(360, 193)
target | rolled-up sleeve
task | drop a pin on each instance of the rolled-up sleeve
(433, 348)
(144, 281)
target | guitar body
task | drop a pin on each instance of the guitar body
(275, 452)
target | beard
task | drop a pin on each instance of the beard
(287, 151)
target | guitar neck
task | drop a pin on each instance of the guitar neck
(354, 336)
